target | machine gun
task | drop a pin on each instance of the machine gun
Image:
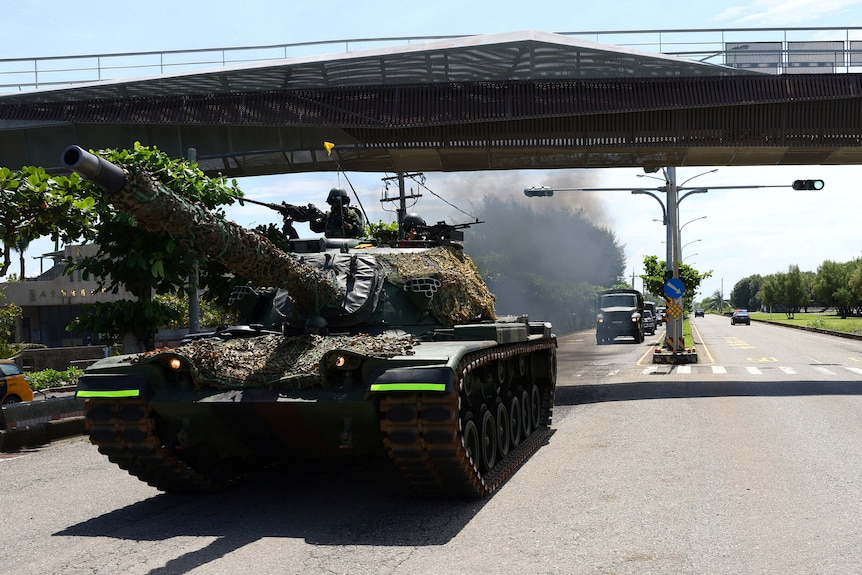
(441, 234)
(291, 213)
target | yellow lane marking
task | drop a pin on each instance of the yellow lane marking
(702, 342)
(737, 343)
(649, 352)
(762, 359)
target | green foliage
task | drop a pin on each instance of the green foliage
(113, 320)
(744, 294)
(9, 314)
(383, 233)
(211, 313)
(48, 378)
(36, 204)
(654, 279)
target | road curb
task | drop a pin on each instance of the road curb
(35, 423)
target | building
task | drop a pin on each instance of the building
(52, 300)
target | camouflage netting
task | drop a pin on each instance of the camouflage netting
(246, 253)
(462, 295)
(277, 362)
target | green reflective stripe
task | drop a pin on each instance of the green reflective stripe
(408, 387)
(117, 393)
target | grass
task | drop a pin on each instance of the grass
(686, 334)
(828, 321)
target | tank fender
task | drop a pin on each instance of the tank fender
(413, 379)
(114, 386)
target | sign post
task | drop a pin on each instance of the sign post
(673, 292)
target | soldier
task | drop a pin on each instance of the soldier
(413, 226)
(342, 221)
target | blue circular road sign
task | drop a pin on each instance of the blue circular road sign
(674, 288)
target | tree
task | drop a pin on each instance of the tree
(770, 291)
(744, 293)
(654, 279)
(794, 290)
(142, 262)
(832, 277)
(36, 204)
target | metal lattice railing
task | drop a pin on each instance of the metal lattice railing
(771, 50)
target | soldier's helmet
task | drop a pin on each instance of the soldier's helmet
(411, 221)
(338, 195)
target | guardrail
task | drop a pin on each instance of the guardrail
(771, 50)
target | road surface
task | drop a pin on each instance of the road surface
(748, 462)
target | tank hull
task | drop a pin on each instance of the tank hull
(432, 412)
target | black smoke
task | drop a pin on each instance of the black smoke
(544, 257)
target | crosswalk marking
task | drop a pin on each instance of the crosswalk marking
(659, 370)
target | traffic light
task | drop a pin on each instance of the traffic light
(536, 192)
(808, 185)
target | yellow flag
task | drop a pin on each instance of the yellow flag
(328, 146)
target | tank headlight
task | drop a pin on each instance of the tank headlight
(175, 363)
(343, 361)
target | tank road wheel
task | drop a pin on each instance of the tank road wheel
(535, 407)
(501, 374)
(526, 419)
(488, 441)
(515, 423)
(471, 440)
(504, 431)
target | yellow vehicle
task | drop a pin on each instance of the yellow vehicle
(14, 385)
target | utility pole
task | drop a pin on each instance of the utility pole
(402, 198)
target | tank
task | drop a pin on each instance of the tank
(347, 349)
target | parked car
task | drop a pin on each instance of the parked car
(698, 313)
(14, 385)
(649, 322)
(740, 316)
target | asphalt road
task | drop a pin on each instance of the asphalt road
(747, 462)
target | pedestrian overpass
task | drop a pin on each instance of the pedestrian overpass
(520, 100)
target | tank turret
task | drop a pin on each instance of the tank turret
(318, 280)
(349, 348)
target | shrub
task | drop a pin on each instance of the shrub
(52, 378)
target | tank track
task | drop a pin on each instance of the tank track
(124, 431)
(424, 433)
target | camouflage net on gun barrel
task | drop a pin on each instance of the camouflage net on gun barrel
(246, 253)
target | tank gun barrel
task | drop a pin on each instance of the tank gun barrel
(249, 254)
(108, 176)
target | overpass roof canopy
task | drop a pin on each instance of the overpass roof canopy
(505, 101)
(526, 55)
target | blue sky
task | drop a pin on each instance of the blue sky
(744, 231)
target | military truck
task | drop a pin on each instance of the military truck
(620, 314)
